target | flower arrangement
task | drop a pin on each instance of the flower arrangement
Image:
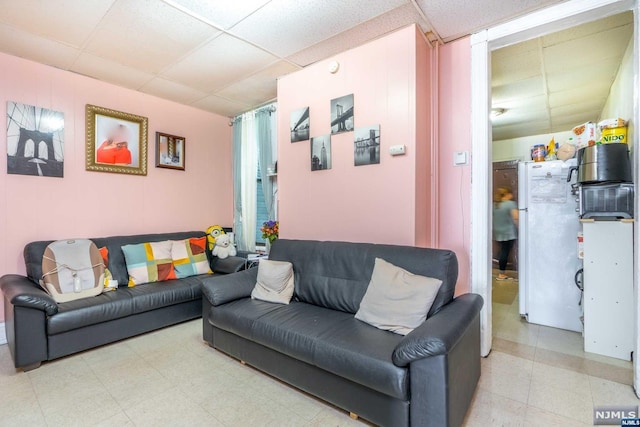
(270, 230)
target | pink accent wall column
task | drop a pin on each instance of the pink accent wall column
(373, 203)
(454, 124)
(94, 204)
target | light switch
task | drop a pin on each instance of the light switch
(460, 158)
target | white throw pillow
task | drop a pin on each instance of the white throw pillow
(275, 282)
(397, 300)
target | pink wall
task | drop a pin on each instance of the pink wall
(92, 204)
(373, 203)
(454, 134)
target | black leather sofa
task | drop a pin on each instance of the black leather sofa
(39, 329)
(426, 378)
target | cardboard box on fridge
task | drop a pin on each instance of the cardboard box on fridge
(584, 135)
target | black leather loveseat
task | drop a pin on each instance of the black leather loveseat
(426, 378)
(39, 329)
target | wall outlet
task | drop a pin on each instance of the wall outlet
(397, 150)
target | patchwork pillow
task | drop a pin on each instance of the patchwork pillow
(148, 262)
(275, 282)
(397, 300)
(189, 257)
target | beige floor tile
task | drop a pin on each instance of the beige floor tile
(489, 409)
(561, 379)
(522, 351)
(507, 376)
(335, 417)
(514, 329)
(560, 401)
(561, 341)
(119, 420)
(170, 408)
(606, 392)
(535, 417)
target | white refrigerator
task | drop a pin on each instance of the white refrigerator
(548, 245)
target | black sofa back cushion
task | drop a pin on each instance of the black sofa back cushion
(33, 252)
(336, 274)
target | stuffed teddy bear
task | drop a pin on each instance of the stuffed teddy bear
(223, 247)
(212, 233)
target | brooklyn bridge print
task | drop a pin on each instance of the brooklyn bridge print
(35, 140)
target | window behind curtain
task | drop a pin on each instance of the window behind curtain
(261, 207)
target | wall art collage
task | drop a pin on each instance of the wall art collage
(366, 140)
(115, 142)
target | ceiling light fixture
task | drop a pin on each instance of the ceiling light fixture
(495, 112)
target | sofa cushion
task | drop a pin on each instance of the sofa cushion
(162, 294)
(397, 300)
(336, 274)
(274, 282)
(90, 311)
(329, 339)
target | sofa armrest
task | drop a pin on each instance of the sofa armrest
(22, 292)
(225, 288)
(439, 333)
(228, 265)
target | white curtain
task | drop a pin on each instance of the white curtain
(253, 141)
(265, 119)
(248, 177)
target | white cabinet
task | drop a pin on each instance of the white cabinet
(608, 288)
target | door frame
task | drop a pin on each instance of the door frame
(551, 19)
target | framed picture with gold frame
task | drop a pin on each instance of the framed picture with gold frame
(116, 141)
(170, 151)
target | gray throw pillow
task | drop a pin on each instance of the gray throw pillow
(275, 282)
(397, 300)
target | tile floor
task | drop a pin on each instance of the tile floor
(534, 376)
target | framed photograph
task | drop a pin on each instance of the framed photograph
(342, 114)
(169, 151)
(35, 140)
(320, 152)
(116, 141)
(366, 145)
(299, 125)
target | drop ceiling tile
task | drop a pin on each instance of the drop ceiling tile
(576, 96)
(587, 29)
(70, 22)
(173, 91)
(451, 23)
(520, 65)
(521, 89)
(287, 26)
(255, 89)
(109, 71)
(570, 110)
(567, 122)
(589, 50)
(147, 34)
(218, 63)
(222, 106)
(522, 129)
(35, 48)
(218, 12)
(361, 34)
(584, 77)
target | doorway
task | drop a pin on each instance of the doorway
(533, 25)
